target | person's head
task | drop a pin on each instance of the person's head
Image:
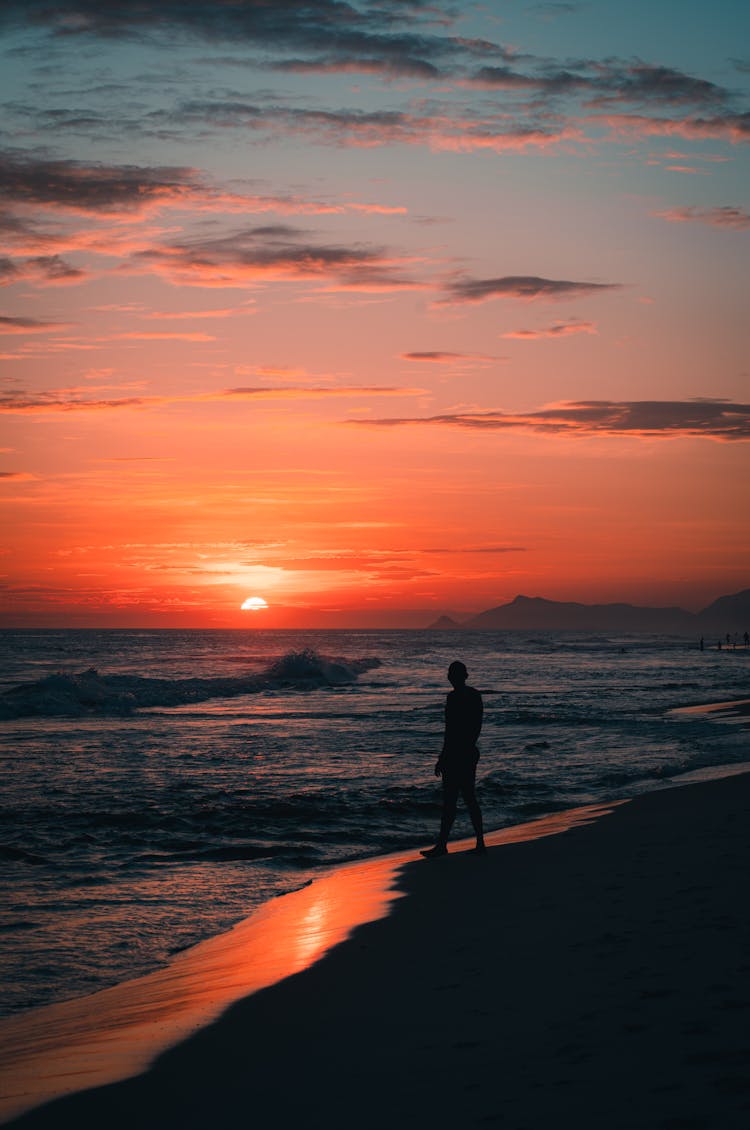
(457, 673)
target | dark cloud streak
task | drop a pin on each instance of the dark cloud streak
(40, 268)
(528, 287)
(18, 325)
(277, 251)
(86, 187)
(648, 419)
(611, 82)
(394, 36)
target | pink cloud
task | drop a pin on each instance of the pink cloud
(246, 308)
(726, 216)
(137, 335)
(557, 330)
(16, 477)
(44, 270)
(728, 126)
(276, 252)
(19, 402)
(462, 132)
(304, 392)
(208, 201)
(127, 192)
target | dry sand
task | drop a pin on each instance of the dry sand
(599, 978)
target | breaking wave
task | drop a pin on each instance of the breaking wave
(88, 692)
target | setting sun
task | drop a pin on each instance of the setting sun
(253, 604)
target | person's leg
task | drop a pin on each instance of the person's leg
(451, 787)
(468, 791)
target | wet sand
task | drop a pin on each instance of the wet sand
(598, 978)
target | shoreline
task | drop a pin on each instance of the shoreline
(728, 710)
(189, 1003)
(116, 1033)
(724, 712)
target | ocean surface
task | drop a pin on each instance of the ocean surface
(188, 776)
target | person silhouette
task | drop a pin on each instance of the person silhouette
(457, 764)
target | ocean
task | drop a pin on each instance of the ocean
(189, 776)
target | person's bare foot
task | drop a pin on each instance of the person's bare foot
(480, 849)
(434, 852)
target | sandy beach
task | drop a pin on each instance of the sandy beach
(600, 977)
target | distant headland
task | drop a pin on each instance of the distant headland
(728, 614)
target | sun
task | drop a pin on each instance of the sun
(253, 604)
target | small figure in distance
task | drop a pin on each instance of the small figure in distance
(457, 763)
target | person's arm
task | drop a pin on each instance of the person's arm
(439, 762)
(477, 716)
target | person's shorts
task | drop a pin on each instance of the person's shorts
(460, 771)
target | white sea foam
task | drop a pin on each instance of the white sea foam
(89, 692)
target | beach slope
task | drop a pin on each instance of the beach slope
(596, 978)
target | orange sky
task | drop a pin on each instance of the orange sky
(377, 322)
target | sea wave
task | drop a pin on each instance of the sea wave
(88, 692)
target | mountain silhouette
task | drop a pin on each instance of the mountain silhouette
(445, 624)
(727, 614)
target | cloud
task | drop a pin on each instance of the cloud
(395, 37)
(275, 252)
(16, 477)
(124, 193)
(302, 392)
(403, 67)
(707, 417)
(557, 330)
(129, 192)
(550, 11)
(49, 346)
(206, 198)
(16, 228)
(444, 128)
(121, 194)
(45, 269)
(526, 287)
(728, 126)
(652, 84)
(21, 402)
(12, 325)
(542, 109)
(610, 82)
(478, 549)
(83, 187)
(9, 270)
(437, 357)
(245, 309)
(726, 216)
(137, 335)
